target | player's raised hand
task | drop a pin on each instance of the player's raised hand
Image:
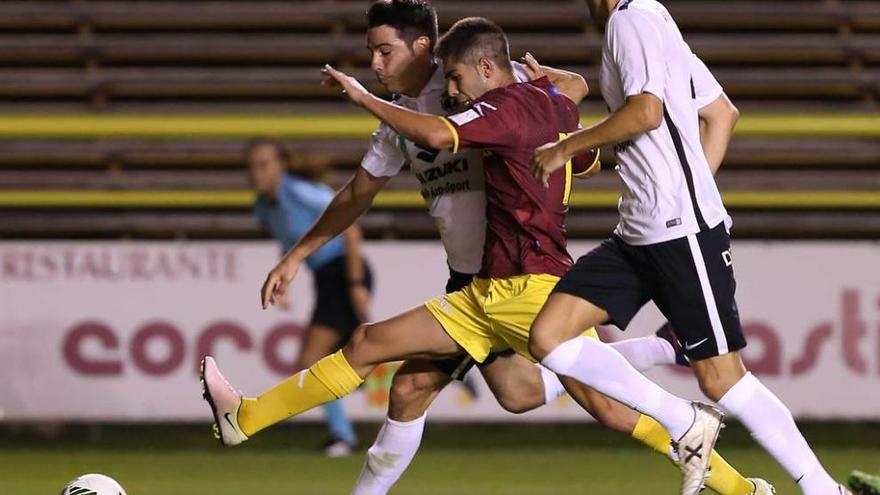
(547, 159)
(351, 87)
(533, 68)
(277, 282)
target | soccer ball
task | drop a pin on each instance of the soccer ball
(93, 484)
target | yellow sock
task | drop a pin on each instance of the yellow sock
(329, 379)
(724, 480)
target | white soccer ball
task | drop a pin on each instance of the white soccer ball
(93, 484)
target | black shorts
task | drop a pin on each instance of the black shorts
(690, 279)
(458, 367)
(333, 306)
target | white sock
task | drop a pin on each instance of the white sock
(599, 366)
(553, 388)
(772, 426)
(389, 456)
(644, 353)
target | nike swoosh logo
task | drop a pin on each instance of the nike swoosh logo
(226, 416)
(695, 345)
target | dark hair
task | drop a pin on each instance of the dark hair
(473, 38)
(311, 173)
(411, 18)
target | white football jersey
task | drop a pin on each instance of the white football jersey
(669, 191)
(705, 87)
(452, 184)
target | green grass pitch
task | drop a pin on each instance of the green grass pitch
(466, 459)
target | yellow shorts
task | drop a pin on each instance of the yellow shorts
(493, 315)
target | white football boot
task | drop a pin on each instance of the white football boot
(225, 402)
(762, 487)
(694, 449)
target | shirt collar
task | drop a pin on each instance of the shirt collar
(436, 83)
(620, 4)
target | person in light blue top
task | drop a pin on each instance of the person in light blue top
(289, 202)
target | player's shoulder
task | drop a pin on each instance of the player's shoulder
(503, 98)
(507, 101)
(519, 93)
(635, 13)
(536, 93)
(502, 94)
(542, 90)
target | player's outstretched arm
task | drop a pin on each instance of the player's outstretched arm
(717, 121)
(354, 272)
(349, 203)
(571, 84)
(641, 113)
(421, 128)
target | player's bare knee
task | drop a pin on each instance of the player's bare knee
(542, 339)
(408, 386)
(405, 401)
(516, 401)
(541, 345)
(520, 403)
(410, 395)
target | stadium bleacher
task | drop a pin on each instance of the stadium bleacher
(126, 118)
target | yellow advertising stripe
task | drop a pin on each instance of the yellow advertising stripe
(181, 126)
(829, 125)
(802, 199)
(754, 199)
(71, 198)
(336, 126)
(61, 198)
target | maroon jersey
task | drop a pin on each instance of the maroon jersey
(525, 222)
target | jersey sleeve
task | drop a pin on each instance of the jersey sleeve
(384, 158)
(703, 84)
(637, 48)
(584, 163)
(490, 123)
